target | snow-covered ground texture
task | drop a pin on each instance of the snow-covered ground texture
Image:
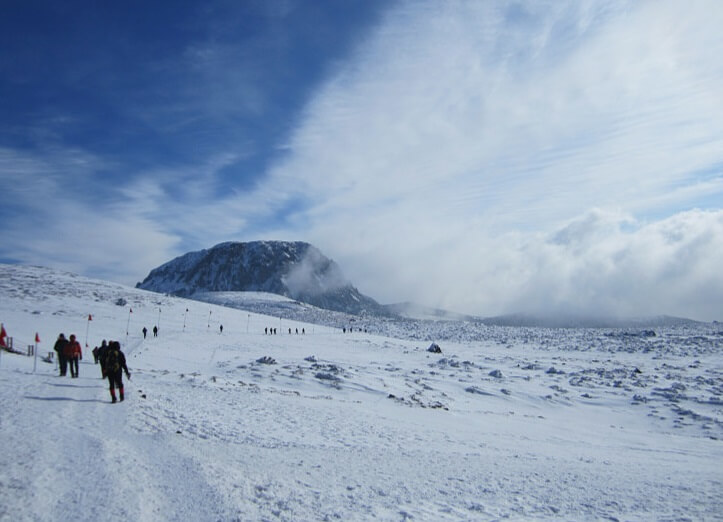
(505, 423)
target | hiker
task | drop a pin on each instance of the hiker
(221, 329)
(60, 350)
(74, 354)
(115, 365)
(155, 331)
(102, 352)
(95, 355)
(145, 331)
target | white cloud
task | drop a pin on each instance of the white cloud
(52, 222)
(608, 264)
(461, 132)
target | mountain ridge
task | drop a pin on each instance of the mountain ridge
(293, 269)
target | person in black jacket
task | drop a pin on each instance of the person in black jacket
(60, 350)
(115, 365)
(102, 352)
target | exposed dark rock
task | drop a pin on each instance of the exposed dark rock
(434, 348)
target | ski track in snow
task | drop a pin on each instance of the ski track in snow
(518, 423)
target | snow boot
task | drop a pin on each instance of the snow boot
(120, 391)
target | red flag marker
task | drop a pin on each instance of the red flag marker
(37, 337)
(90, 317)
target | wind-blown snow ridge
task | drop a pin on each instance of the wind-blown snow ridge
(520, 423)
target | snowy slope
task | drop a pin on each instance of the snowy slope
(520, 423)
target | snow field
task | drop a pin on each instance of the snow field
(518, 423)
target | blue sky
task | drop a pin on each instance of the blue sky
(487, 157)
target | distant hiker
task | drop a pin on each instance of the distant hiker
(95, 355)
(102, 352)
(145, 331)
(343, 329)
(303, 331)
(60, 350)
(74, 354)
(289, 331)
(297, 331)
(220, 328)
(266, 331)
(155, 331)
(115, 365)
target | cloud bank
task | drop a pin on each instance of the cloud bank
(448, 161)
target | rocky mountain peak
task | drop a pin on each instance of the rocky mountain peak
(293, 269)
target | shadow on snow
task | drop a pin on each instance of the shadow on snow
(36, 398)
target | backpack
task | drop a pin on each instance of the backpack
(112, 361)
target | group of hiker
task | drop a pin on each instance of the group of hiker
(69, 354)
(272, 331)
(155, 331)
(109, 355)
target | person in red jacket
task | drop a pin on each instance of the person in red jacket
(74, 354)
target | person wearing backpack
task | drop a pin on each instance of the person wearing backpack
(60, 350)
(115, 365)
